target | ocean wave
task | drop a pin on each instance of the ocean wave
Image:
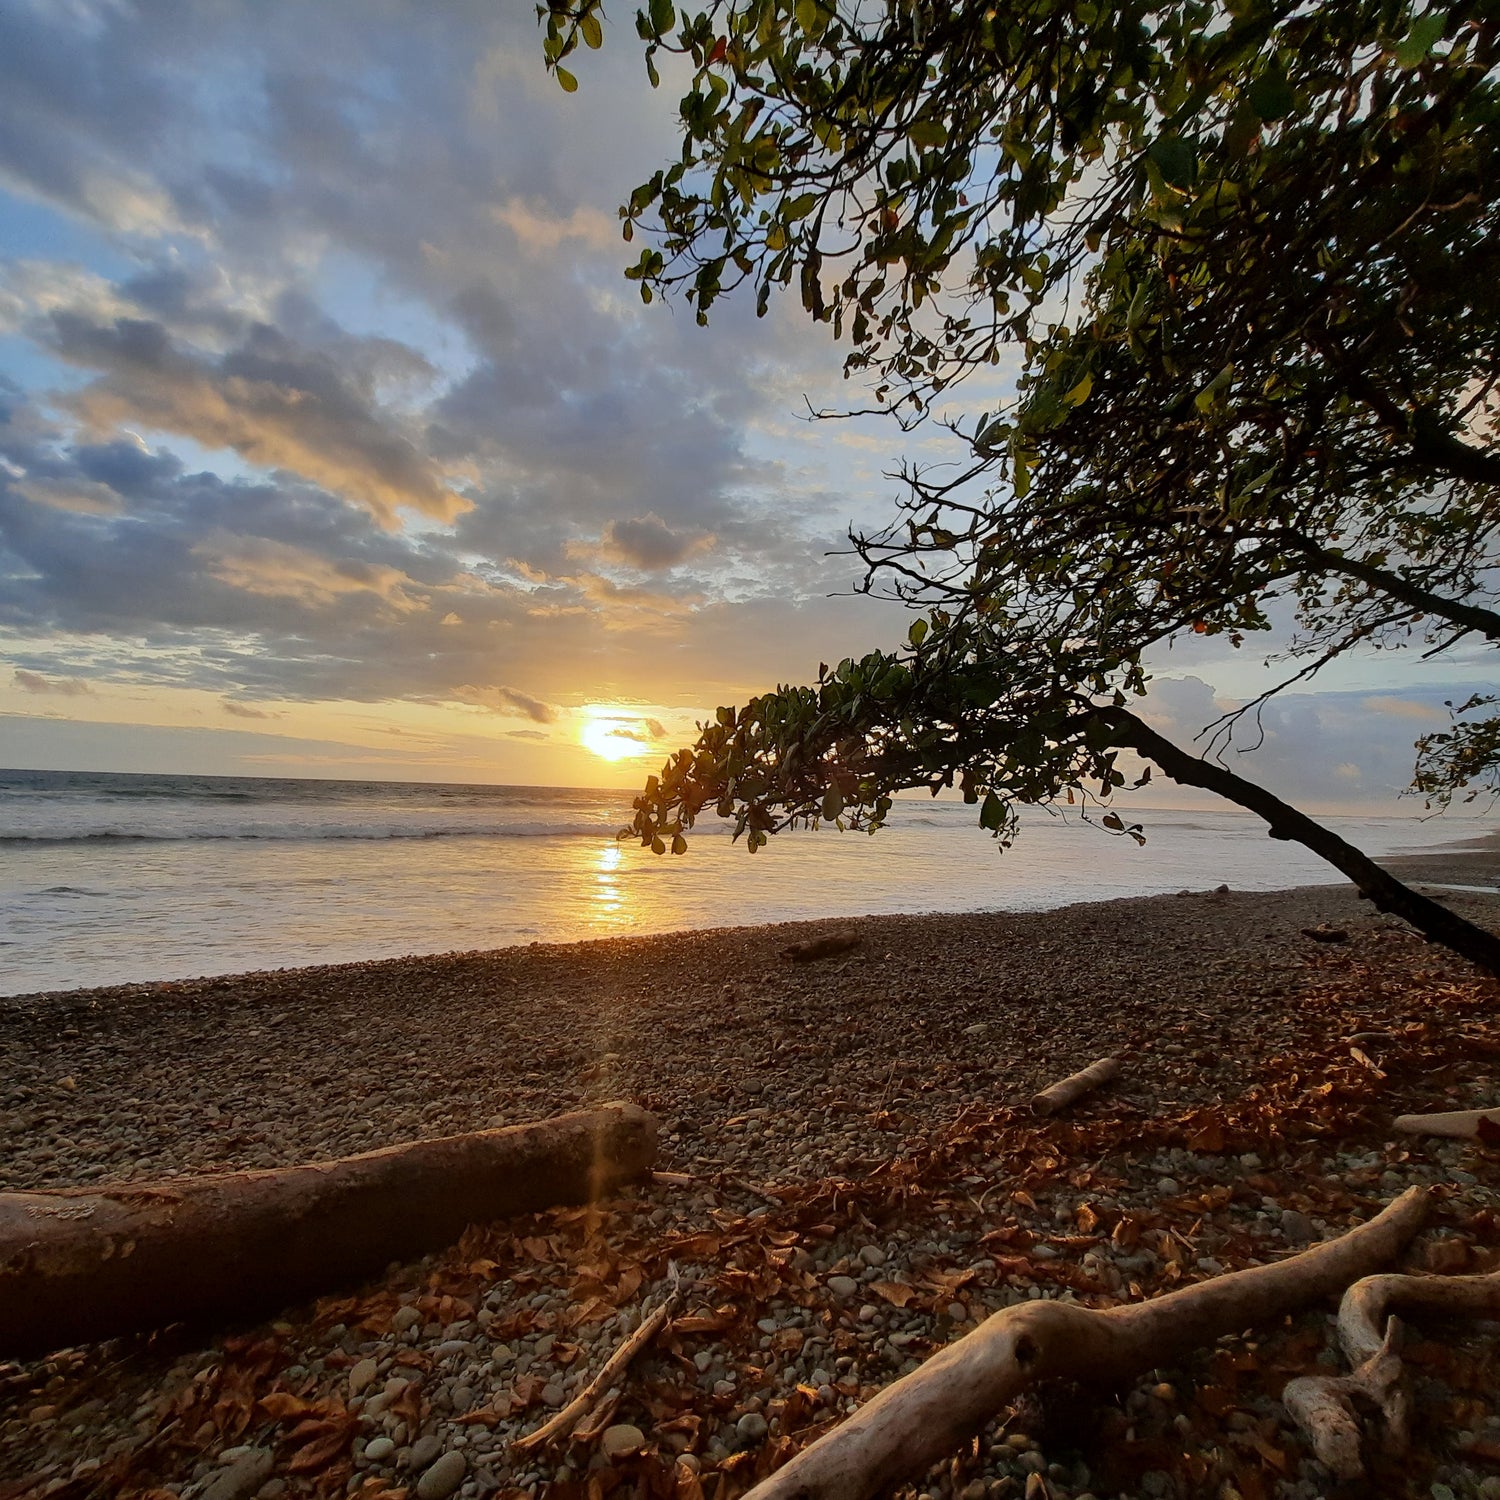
(304, 834)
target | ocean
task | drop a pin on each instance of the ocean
(112, 879)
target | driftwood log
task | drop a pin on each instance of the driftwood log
(932, 1412)
(1071, 1089)
(1455, 1124)
(1326, 1406)
(822, 947)
(80, 1265)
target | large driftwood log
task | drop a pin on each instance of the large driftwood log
(78, 1265)
(1069, 1090)
(937, 1408)
(1325, 1405)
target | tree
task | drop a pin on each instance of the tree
(1246, 257)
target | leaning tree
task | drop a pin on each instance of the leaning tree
(1240, 266)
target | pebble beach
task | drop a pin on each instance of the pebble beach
(848, 1184)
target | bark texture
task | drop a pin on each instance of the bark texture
(931, 1412)
(76, 1265)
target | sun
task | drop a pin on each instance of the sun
(613, 739)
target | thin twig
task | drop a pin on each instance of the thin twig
(574, 1412)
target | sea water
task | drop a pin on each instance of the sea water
(109, 879)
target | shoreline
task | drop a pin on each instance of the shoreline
(278, 1066)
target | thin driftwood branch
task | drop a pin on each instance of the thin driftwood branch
(934, 1410)
(1326, 1406)
(574, 1412)
(1455, 1124)
(1071, 1089)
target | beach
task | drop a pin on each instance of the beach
(779, 1086)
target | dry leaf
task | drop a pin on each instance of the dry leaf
(897, 1293)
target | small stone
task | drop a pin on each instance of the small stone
(1036, 1488)
(242, 1478)
(362, 1376)
(842, 1286)
(553, 1393)
(975, 1489)
(443, 1477)
(424, 1450)
(377, 1450)
(751, 1427)
(1298, 1228)
(622, 1438)
(768, 1325)
(1168, 1186)
(404, 1318)
(872, 1255)
(977, 1029)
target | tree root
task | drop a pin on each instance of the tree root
(1326, 1407)
(934, 1410)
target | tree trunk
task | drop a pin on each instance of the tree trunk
(1429, 917)
(80, 1265)
(936, 1409)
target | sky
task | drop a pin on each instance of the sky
(334, 442)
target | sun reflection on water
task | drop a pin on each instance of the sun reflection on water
(609, 892)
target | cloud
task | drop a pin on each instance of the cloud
(1404, 708)
(34, 682)
(647, 543)
(508, 700)
(277, 570)
(274, 403)
(245, 711)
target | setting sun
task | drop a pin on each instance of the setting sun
(616, 738)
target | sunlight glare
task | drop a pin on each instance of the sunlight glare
(612, 738)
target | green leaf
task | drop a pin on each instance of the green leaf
(927, 133)
(568, 81)
(679, 844)
(918, 632)
(833, 803)
(1080, 392)
(1175, 159)
(663, 16)
(593, 32)
(992, 814)
(799, 207)
(1113, 820)
(1271, 97)
(1425, 33)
